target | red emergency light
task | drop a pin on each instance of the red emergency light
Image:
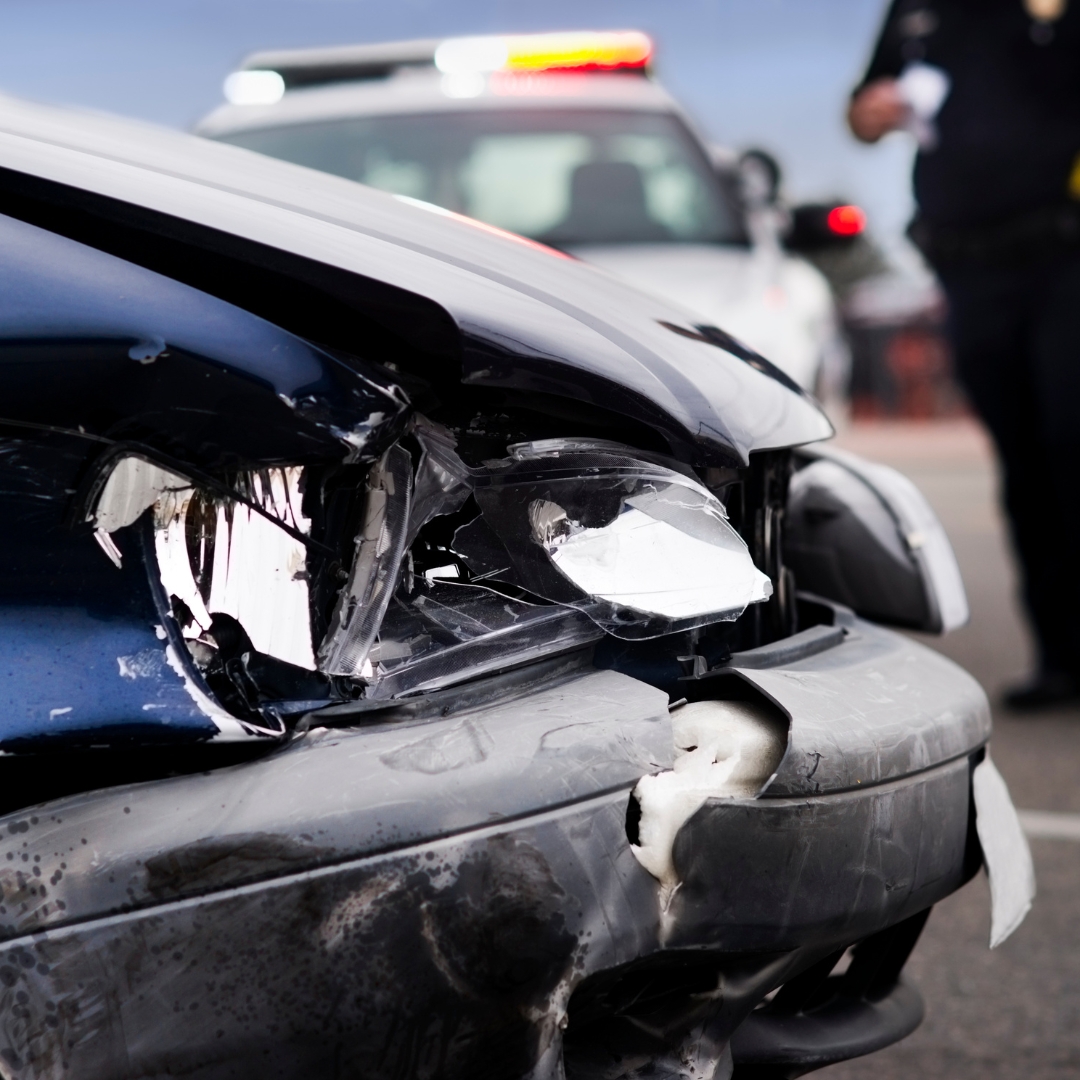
(846, 220)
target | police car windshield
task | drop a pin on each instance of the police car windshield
(566, 178)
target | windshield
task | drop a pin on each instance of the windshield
(565, 178)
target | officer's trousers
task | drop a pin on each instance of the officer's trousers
(1016, 336)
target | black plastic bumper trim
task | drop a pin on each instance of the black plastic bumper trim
(785, 1046)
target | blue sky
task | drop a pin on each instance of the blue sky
(770, 73)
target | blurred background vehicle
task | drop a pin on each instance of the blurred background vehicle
(893, 316)
(564, 138)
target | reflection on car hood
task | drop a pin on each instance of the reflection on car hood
(779, 305)
(698, 274)
(523, 316)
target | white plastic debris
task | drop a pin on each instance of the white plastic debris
(723, 749)
(1005, 852)
(133, 486)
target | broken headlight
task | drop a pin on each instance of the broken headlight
(231, 561)
(639, 548)
(301, 585)
(527, 556)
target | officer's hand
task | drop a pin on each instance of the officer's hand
(876, 110)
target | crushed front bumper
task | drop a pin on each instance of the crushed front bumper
(455, 895)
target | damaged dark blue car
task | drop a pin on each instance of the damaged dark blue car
(422, 656)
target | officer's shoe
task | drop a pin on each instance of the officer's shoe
(1045, 690)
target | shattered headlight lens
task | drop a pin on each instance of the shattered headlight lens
(641, 549)
(240, 556)
(231, 559)
(431, 571)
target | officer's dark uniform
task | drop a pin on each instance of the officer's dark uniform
(998, 221)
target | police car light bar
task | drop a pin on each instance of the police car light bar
(264, 77)
(580, 51)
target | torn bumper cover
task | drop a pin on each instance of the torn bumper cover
(413, 878)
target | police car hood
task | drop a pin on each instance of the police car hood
(778, 305)
(508, 312)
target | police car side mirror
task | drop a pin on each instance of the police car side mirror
(760, 178)
(863, 535)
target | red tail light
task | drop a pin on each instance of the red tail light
(846, 220)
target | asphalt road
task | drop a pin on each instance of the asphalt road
(1014, 1012)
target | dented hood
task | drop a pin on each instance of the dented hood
(469, 301)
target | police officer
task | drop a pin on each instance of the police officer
(992, 89)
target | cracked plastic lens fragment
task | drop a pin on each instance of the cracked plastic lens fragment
(446, 631)
(380, 547)
(133, 485)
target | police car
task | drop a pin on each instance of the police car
(564, 138)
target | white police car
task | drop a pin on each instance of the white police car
(563, 138)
